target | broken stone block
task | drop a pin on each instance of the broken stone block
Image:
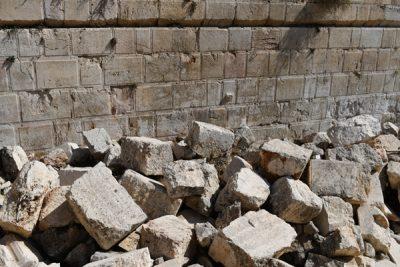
(236, 164)
(244, 137)
(98, 255)
(183, 178)
(341, 243)
(208, 140)
(293, 201)
(145, 155)
(130, 242)
(282, 158)
(149, 194)
(167, 236)
(16, 252)
(242, 243)
(182, 151)
(390, 128)
(23, 202)
(228, 214)
(393, 172)
(57, 158)
(103, 207)
(339, 178)
(388, 142)
(112, 158)
(247, 187)
(80, 255)
(358, 129)
(314, 260)
(317, 153)
(205, 233)
(98, 141)
(193, 217)
(69, 175)
(178, 262)
(335, 213)
(203, 204)
(140, 257)
(320, 139)
(55, 210)
(370, 220)
(13, 158)
(361, 153)
(77, 156)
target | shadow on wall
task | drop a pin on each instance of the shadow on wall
(299, 37)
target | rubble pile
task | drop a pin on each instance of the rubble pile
(216, 198)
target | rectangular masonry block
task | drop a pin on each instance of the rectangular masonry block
(30, 42)
(352, 60)
(340, 37)
(50, 105)
(3, 77)
(90, 72)
(8, 43)
(22, 76)
(54, 11)
(92, 41)
(153, 97)
(190, 95)
(35, 136)
(213, 39)
(258, 63)
(56, 42)
(339, 84)
(251, 12)
(8, 136)
(214, 93)
(172, 124)
(27, 11)
(164, 67)
(124, 70)
(190, 67)
(266, 38)
(76, 11)
(212, 65)
(143, 41)
(289, 88)
(138, 12)
(185, 13)
(143, 125)
(91, 102)
(235, 65)
(116, 127)
(247, 90)
(56, 73)
(67, 131)
(371, 37)
(220, 12)
(239, 39)
(266, 89)
(9, 111)
(126, 40)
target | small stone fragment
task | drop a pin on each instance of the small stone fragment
(104, 207)
(243, 242)
(339, 178)
(245, 186)
(335, 213)
(57, 158)
(113, 156)
(149, 194)
(178, 262)
(293, 201)
(146, 155)
(13, 158)
(390, 128)
(388, 142)
(208, 140)
(183, 178)
(341, 243)
(393, 172)
(244, 137)
(205, 233)
(99, 255)
(282, 158)
(23, 202)
(98, 141)
(167, 236)
(140, 257)
(236, 164)
(130, 242)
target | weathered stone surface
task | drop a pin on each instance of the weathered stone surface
(145, 155)
(242, 243)
(236, 164)
(56, 158)
(69, 175)
(247, 187)
(130, 242)
(183, 178)
(167, 236)
(150, 195)
(335, 213)
(182, 151)
(390, 128)
(55, 210)
(388, 142)
(358, 129)
(314, 260)
(339, 178)
(16, 252)
(23, 202)
(13, 159)
(393, 172)
(140, 257)
(178, 262)
(341, 243)
(104, 207)
(361, 153)
(80, 255)
(99, 255)
(208, 140)
(293, 201)
(282, 158)
(228, 214)
(77, 156)
(98, 141)
(320, 139)
(205, 233)
(113, 156)
(203, 204)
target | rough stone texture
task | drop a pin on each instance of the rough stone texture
(103, 207)
(293, 201)
(150, 195)
(388, 142)
(282, 158)
(335, 213)
(131, 242)
(228, 214)
(69, 175)
(13, 159)
(205, 233)
(23, 202)
(183, 178)
(247, 187)
(168, 236)
(341, 243)
(98, 141)
(145, 155)
(236, 164)
(339, 178)
(140, 257)
(16, 252)
(209, 141)
(242, 243)
(393, 172)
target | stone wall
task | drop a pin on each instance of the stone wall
(233, 62)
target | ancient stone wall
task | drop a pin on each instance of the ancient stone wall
(140, 67)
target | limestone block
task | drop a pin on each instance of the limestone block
(22, 76)
(104, 208)
(154, 97)
(98, 141)
(8, 42)
(10, 108)
(30, 42)
(213, 39)
(239, 39)
(220, 13)
(162, 67)
(21, 10)
(16, 252)
(212, 65)
(242, 243)
(13, 158)
(341, 243)
(138, 12)
(56, 73)
(91, 41)
(91, 102)
(150, 195)
(56, 41)
(289, 88)
(125, 70)
(91, 72)
(282, 158)
(168, 236)
(131, 242)
(237, 163)
(393, 172)
(205, 233)
(145, 155)
(140, 257)
(293, 201)
(251, 13)
(23, 202)
(188, 13)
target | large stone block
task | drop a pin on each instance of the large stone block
(138, 12)
(91, 41)
(163, 67)
(9, 111)
(213, 39)
(104, 208)
(22, 76)
(21, 10)
(140, 257)
(91, 102)
(56, 73)
(146, 155)
(126, 70)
